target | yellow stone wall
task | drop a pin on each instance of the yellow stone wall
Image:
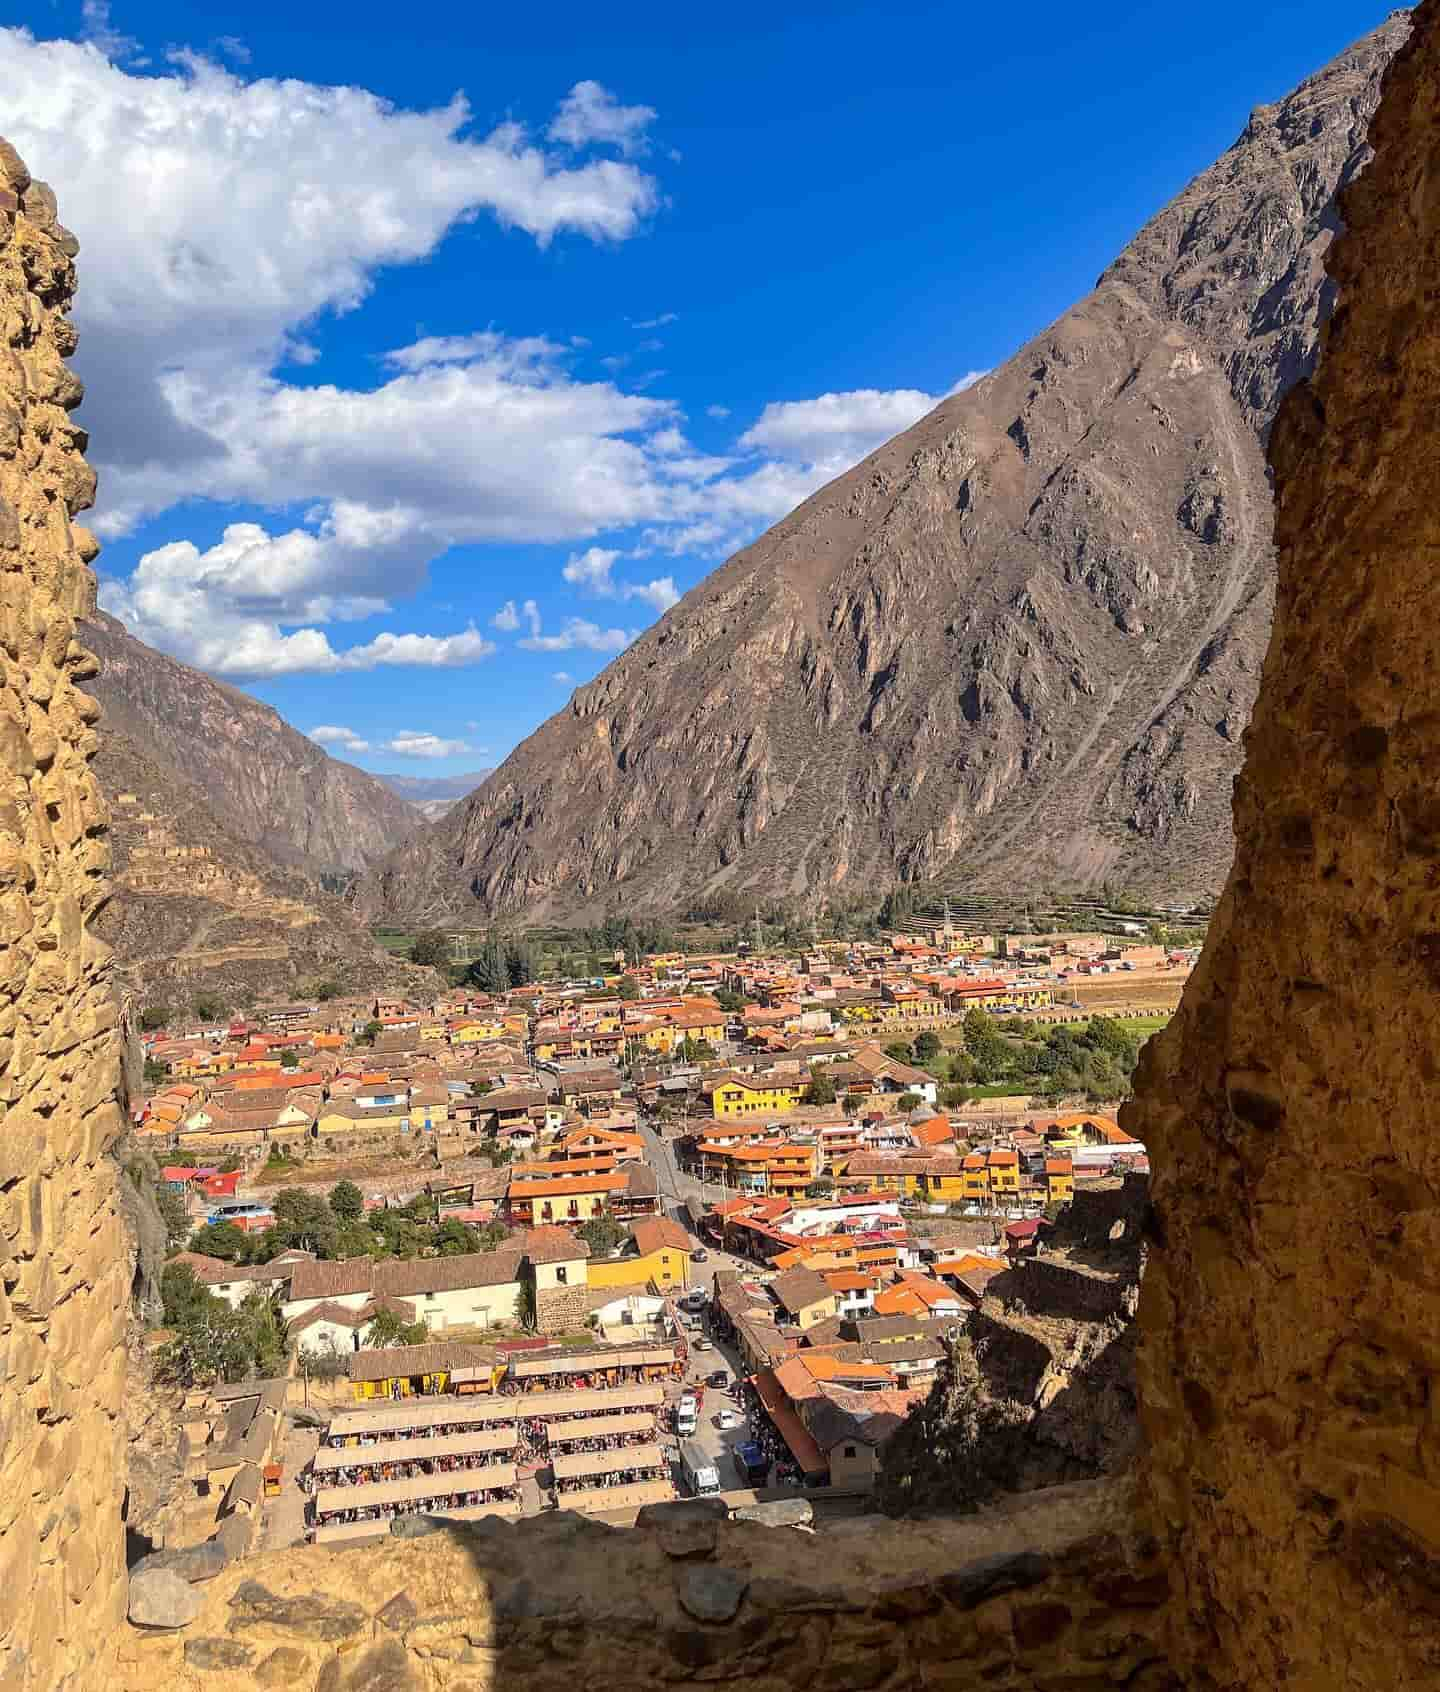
(64, 1278)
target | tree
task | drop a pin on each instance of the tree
(289, 1059)
(927, 1046)
(908, 1101)
(207, 1007)
(730, 1003)
(389, 1327)
(696, 1051)
(525, 1316)
(453, 1238)
(323, 991)
(430, 948)
(489, 972)
(371, 1032)
(628, 988)
(155, 1072)
(153, 1017)
(346, 1201)
(821, 1187)
(491, 1235)
(220, 1239)
(521, 967)
(821, 1090)
(326, 1361)
(602, 1234)
(901, 1051)
(955, 1095)
(173, 1214)
(303, 1222)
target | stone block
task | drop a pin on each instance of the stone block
(161, 1598)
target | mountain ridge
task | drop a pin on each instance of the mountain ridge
(265, 780)
(1018, 644)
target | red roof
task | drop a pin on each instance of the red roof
(1024, 1230)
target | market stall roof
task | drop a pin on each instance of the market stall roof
(609, 1462)
(600, 1427)
(422, 1488)
(415, 1450)
(603, 1499)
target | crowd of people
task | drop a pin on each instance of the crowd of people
(617, 1477)
(440, 1503)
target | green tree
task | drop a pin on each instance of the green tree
(453, 1238)
(371, 1032)
(153, 1017)
(696, 1051)
(289, 1059)
(430, 948)
(323, 991)
(389, 1327)
(821, 1090)
(521, 966)
(220, 1239)
(955, 1095)
(927, 1046)
(207, 1007)
(303, 1222)
(490, 1235)
(730, 1003)
(489, 972)
(821, 1187)
(908, 1101)
(602, 1234)
(346, 1201)
(174, 1214)
(628, 988)
(901, 1051)
(155, 1072)
(525, 1314)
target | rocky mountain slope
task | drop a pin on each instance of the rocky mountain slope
(265, 782)
(1017, 645)
(196, 908)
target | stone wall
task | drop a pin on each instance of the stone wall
(65, 1264)
(1290, 1353)
(1062, 1596)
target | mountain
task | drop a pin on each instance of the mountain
(265, 782)
(1017, 646)
(420, 789)
(194, 907)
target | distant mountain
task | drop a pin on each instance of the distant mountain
(1016, 647)
(417, 789)
(264, 781)
(196, 908)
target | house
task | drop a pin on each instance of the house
(557, 1262)
(768, 1093)
(1059, 1180)
(476, 1289)
(406, 1371)
(234, 1282)
(592, 1089)
(804, 1296)
(513, 1107)
(570, 1198)
(656, 1255)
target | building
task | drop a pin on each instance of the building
(656, 1255)
(565, 1198)
(805, 1297)
(558, 1263)
(474, 1290)
(768, 1093)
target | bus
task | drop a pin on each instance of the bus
(698, 1473)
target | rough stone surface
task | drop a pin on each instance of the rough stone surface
(190, 1562)
(1017, 645)
(63, 1261)
(1291, 1312)
(162, 1598)
(712, 1594)
(207, 1653)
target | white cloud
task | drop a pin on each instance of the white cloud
(717, 411)
(332, 734)
(101, 33)
(654, 322)
(564, 678)
(590, 115)
(590, 571)
(233, 49)
(412, 743)
(507, 618)
(836, 428)
(226, 609)
(578, 632)
(968, 380)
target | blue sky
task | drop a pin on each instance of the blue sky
(410, 414)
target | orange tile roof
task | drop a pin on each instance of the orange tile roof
(568, 1188)
(824, 1367)
(898, 1301)
(846, 1280)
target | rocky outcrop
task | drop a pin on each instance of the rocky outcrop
(63, 1262)
(1016, 646)
(1291, 1351)
(197, 908)
(265, 783)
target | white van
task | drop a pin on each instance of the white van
(698, 1472)
(687, 1416)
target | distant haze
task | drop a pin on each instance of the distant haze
(432, 787)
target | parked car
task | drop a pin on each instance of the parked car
(703, 1345)
(699, 1255)
(720, 1378)
(727, 1419)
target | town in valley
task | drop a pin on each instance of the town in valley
(695, 1225)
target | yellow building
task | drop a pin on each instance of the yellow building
(661, 1259)
(736, 1095)
(476, 1030)
(1059, 1180)
(1003, 1168)
(345, 1118)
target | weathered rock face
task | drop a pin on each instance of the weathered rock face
(1018, 645)
(1291, 1314)
(265, 782)
(63, 1263)
(196, 907)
